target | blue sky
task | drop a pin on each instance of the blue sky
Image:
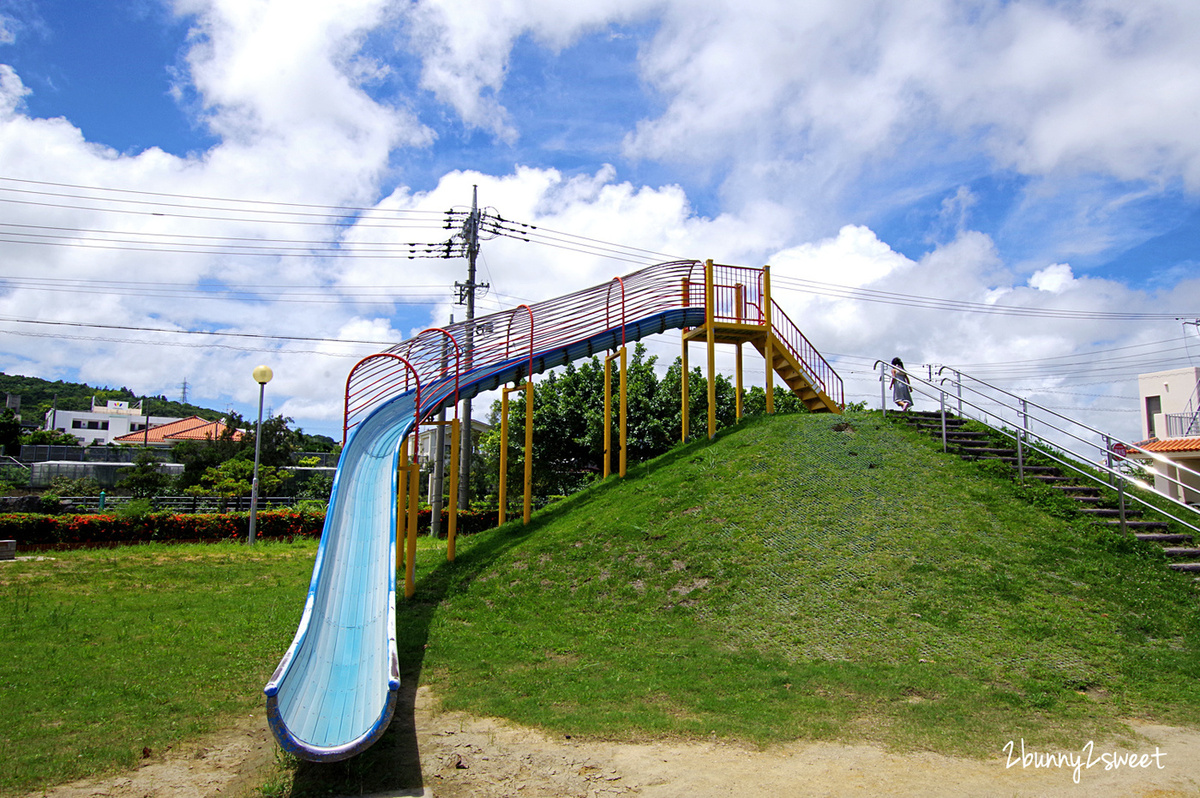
(1028, 153)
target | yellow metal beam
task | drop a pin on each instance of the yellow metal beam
(624, 411)
(607, 469)
(770, 342)
(709, 316)
(410, 564)
(452, 527)
(504, 453)
(528, 448)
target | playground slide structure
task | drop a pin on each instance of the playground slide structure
(334, 692)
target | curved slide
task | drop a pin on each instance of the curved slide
(335, 689)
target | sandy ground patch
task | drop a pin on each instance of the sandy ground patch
(462, 756)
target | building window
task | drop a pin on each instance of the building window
(76, 423)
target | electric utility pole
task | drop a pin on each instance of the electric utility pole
(466, 296)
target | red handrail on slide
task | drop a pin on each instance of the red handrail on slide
(738, 297)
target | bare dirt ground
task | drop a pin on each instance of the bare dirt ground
(461, 756)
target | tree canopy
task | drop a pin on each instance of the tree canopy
(568, 418)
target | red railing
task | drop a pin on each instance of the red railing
(816, 368)
(501, 338)
(375, 379)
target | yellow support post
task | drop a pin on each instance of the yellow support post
(503, 453)
(410, 564)
(738, 369)
(452, 527)
(683, 388)
(683, 377)
(770, 340)
(624, 412)
(528, 448)
(607, 470)
(711, 339)
(401, 502)
(740, 302)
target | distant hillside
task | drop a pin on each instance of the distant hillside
(38, 396)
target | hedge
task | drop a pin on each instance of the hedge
(36, 529)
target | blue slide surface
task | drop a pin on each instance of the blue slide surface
(334, 692)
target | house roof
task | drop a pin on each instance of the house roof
(1170, 445)
(192, 428)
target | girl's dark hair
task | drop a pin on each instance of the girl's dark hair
(897, 362)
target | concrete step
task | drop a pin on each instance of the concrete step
(1181, 551)
(1109, 512)
(1163, 537)
(1078, 492)
(1191, 567)
(1147, 525)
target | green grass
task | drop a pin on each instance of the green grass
(797, 578)
(106, 652)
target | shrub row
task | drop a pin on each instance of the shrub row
(36, 529)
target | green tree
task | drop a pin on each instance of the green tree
(233, 479)
(568, 438)
(10, 433)
(278, 441)
(145, 480)
(199, 456)
(48, 437)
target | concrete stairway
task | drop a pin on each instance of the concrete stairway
(978, 446)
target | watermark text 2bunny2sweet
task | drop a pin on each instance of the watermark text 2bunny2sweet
(1085, 759)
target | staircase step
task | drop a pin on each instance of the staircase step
(1078, 492)
(1192, 567)
(1181, 551)
(1163, 537)
(1109, 512)
(1137, 524)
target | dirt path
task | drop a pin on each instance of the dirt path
(463, 756)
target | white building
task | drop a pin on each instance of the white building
(426, 441)
(101, 425)
(1170, 404)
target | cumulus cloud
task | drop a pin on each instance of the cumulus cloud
(791, 105)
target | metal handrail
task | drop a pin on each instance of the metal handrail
(1048, 447)
(1110, 439)
(489, 345)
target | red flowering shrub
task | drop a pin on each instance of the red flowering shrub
(33, 529)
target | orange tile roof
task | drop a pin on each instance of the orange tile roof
(192, 428)
(1170, 445)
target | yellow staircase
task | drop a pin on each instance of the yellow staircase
(788, 366)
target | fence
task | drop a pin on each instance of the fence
(182, 504)
(1080, 449)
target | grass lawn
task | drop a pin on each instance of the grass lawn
(106, 652)
(804, 578)
(801, 577)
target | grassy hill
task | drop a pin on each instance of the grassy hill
(803, 576)
(811, 576)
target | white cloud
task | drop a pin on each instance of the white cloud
(795, 103)
(1055, 278)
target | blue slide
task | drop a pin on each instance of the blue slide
(335, 689)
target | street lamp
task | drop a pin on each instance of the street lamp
(262, 375)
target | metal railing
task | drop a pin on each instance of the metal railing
(1183, 425)
(1079, 448)
(182, 504)
(505, 340)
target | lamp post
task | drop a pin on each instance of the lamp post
(262, 375)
